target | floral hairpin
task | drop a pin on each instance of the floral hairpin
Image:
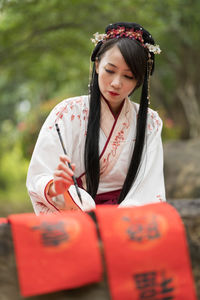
(98, 37)
(122, 32)
(153, 48)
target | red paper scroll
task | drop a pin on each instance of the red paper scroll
(3, 221)
(55, 252)
(146, 253)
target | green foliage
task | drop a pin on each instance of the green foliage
(30, 127)
(13, 195)
(45, 51)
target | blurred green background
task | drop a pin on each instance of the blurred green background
(44, 57)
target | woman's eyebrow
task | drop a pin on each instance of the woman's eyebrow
(112, 65)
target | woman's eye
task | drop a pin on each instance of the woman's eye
(109, 71)
(129, 77)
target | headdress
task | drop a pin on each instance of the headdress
(123, 32)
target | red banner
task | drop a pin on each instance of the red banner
(55, 252)
(146, 253)
(3, 221)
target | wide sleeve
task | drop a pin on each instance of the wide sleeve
(149, 186)
(45, 157)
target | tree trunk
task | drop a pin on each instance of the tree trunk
(189, 101)
(189, 211)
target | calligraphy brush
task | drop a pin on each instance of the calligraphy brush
(65, 152)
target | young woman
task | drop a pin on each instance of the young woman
(113, 144)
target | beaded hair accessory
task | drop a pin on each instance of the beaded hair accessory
(122, 32)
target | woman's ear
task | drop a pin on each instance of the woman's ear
(97, 66)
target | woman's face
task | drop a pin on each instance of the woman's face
(116, 80)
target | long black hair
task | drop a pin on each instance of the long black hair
(136, 57)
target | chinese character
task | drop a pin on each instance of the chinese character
(136, 232)
(152, 229)
(143, 232)
(165, 288)
(52, 234)
(146, 283)
(154, 286)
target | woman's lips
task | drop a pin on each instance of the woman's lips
(113, 93)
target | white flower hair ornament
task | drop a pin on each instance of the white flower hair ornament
(153, 48)
(98, 37)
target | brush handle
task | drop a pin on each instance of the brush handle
(65, 152)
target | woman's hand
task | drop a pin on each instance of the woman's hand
(62, 177)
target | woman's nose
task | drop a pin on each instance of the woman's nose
(116, 82)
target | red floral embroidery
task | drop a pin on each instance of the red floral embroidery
(159, 198)
(105, 163)
(79, 100)
(69, 107)
(116, 143)
(150, 128)
(118, 139)
(154, 121)
(60, 115)
(85, 111)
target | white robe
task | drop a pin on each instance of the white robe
(72, 116)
